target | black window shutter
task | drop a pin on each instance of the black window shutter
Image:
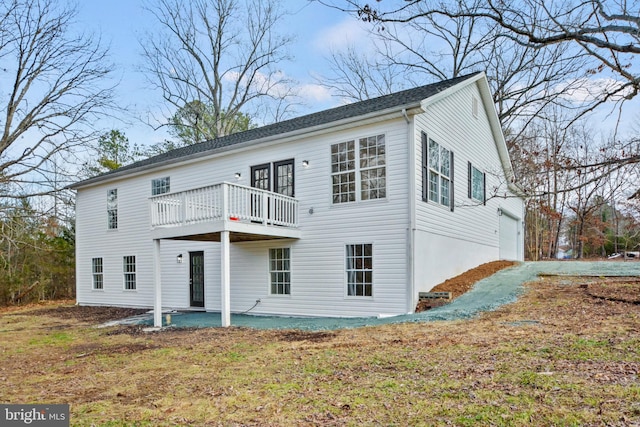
(484, 188)
(425, 167)
(451, 188)
(469, 180)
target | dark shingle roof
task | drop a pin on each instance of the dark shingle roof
(394, 100)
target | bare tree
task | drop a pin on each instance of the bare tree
(357, 76)
(524, 80)
(605, 30)
(223, 54)
(53, 93)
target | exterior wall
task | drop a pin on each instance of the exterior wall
(318, 281)
(448, 243)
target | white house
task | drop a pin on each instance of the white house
(351, 211)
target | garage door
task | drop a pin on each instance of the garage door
(508, 237)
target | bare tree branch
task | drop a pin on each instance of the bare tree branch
(223, 54)
(607, 30)
(56, 89)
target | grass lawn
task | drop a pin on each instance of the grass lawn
(564, 354)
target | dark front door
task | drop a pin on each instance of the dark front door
(196, 278)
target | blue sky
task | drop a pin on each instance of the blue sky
(122, 23)
(316, 28)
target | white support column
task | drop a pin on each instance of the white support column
(157, 268)
(225, 286)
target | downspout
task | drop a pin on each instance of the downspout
(406, 117)
(411, 230)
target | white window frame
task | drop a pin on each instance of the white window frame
(343, 172)
(97, 273)
(373, 164)
(129, 275)
(359, 170)
(440, 174)
(280, 271)
(358, 266)
(112, 209)
(160, 185)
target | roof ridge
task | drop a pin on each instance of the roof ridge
(355, 109)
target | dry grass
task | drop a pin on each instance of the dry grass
(561, 355)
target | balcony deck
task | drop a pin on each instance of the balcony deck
(203, 213)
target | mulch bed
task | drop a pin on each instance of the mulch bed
(91, 314)
(623, 289)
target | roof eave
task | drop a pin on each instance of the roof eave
(375, 116)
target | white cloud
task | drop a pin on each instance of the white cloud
(585, 90)
(313, 93)
(348, 32)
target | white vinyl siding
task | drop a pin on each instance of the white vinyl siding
(317, 265)
(449, 243)
(442, 244)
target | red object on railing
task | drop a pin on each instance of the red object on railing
(234, 218)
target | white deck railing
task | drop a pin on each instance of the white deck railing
(224, 201)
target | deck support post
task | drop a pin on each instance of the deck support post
(157, 268)
(225, 286)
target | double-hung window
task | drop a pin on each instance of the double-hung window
(343, 172)
(437, 173)
(129, 271)
(358, 170)
(359, 269)
(160, 186)
(373, 180)
(280, 271)
(112, 209)
(476, 184)
(97, 271)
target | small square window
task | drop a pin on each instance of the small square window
(160, 186)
